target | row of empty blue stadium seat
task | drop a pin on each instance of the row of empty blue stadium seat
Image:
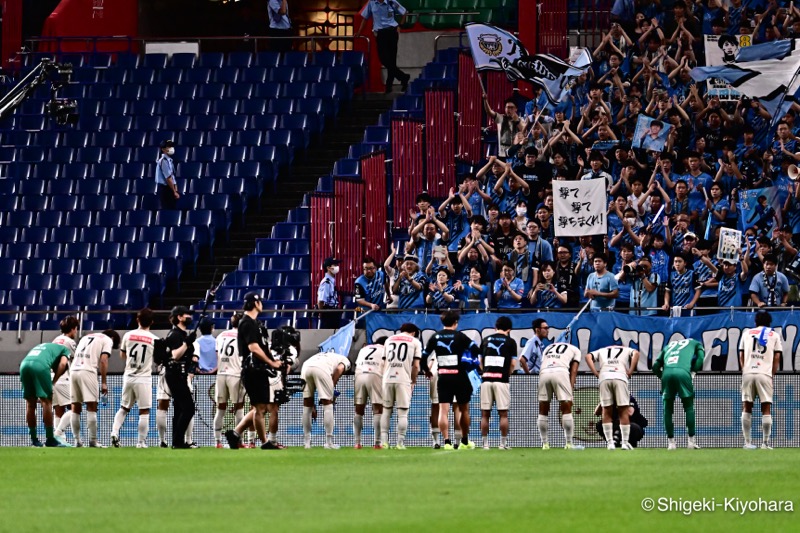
(203, 75)
(107, 218)
(116, 298)
(152, 267)
(52, 237)
(179, 106)
(208, 60)
(282, 263)
(203, 182)
(101, 282)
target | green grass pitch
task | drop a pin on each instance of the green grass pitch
(388, 490)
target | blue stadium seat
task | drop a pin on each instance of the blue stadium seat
(183, 91)
(100, 281)
(198, 75)
(47, 171)
(283, 75)
(248, 138)
(132, 171)
(170, 75)
(325, 58)
(130, 92)
(118, 123)
(105, 139)
(282, 294)
(341, 73)
(219, 138)
(120, 199)
(252, 263)
(253, 107)
(269, 246)
(264, 122)
(108, 250)
(267, 279)
(64, 234)
(219, 169)
(14, 281)
(204, 154)
(294, 59)
(176, 122)
(205, 122)
(87, 264)
(35, 235)
(213, 60)
(268, 59)
(203, 186)
(21, 297)
(171, 253)
(135, 250)
(95, 203)
(19, 219)
(47, 250)
(132, 139)
(78, 219)
(100, 91)
(8, 235)
(226, 106)
(123, 234)
(281, 106)
(69, 282)
(199, 107)
(297, 247)
(103, 171)
(113, 107)
(152, 234)
(34, 203)
(297, 279)
(154, 61)
(169, 218)
(30, 154)
(84, 297)
(142, 76)
(187, 237)
(114, 76)
(61, 266)
(312, 74)
(239, 59)
(254, 75)
(120, 265)
(147, 123)
(268, 90)
(144, 187)
(211, 91)
(153, 268)
(203, 220)
(347, 168)
(138, 218)
(190, 139)
(108, 219)
(183, 60)
(91, 186)
(234, 122)
(173, 106)
(8, 202)
(155, 91)
(32, 266)
(38, 282)
(296, 89)
(234, 154)
(229, 75)
(78, 250)
(32, 187)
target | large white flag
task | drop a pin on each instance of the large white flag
(492, 48)
(579, 207)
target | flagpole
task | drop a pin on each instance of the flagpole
(782, 100)
(537, 117)
(567, 333)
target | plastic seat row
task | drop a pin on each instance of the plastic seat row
(44, 300)
(255, 263)
(40, 282)
(107, 218)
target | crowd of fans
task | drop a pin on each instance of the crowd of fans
(491, 243)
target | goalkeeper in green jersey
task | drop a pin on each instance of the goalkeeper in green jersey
(675, 366)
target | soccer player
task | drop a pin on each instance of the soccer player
(560, 363)
(675, 366)
(137, 351)
(402, 352)
(613, 366)
(34, 374)
(456, 355)
(370, 365)
(322, 372)
(61, 401)
(760, 351)
(91, 356)
(498, 359)
(229, 378)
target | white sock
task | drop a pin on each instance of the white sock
(402, 425)
(306, 425)
(457, 433)
(766, 427)
(504, 440)
(56, 421)
(358, 424)
(568, 423)
(542, 423)
(187, 437)
(328, 423)
(386, 418)
(161, 425)
(75, 421)
(747, 426)
(485, 440)
(272, 437)
(436, 433)
(119, 419)
(63, 424)
(219, 421)
(238, 415)
(91, 422)
(625, 431)
(144, 427)
(376, 428)
(608, 431)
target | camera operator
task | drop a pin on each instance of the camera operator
(644, 288)
(624, 273)
(285, 348)
(180, 343)
(258, 365)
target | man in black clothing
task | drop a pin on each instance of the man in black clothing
(456, 355)
(181, 345)
(638, 423)
(498, 358)
(258, 366)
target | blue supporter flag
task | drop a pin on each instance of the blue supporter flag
(340, 341)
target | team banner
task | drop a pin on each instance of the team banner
(579, 207)
(719, 333)
(340, 341)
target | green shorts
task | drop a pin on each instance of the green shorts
(36, 382)
(679, 383)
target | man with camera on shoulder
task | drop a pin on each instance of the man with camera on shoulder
(258, 366)
(644, 288)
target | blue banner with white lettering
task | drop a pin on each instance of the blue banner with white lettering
(719, 333)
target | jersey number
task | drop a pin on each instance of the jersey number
(229, 348)
(758, 348)
(372, 351)
(397, 351)
(676, 346)
(133, 353)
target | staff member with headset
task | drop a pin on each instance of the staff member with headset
(384, 26)
(257, 360)
(165, 177)
(180, 343)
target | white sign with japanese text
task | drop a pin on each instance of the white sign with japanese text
(579, 207)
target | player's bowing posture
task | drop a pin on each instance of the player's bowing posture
(61, 389)
(760, 352)
(613, 366)
(402, 352)
(675, 366)
(229, 378)
(91, 356)
(137, 352)
(498, 359)
(370, 365)
(322, 372)
(557, 375)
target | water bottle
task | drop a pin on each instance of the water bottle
(104, 400)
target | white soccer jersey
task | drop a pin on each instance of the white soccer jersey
(63, 340)
(558, 357)
(613, 362)
(138, 346)
(229, 362)
(88, 352)
(327, 361)
(371, 360)
(401, 350)
(759, 344)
